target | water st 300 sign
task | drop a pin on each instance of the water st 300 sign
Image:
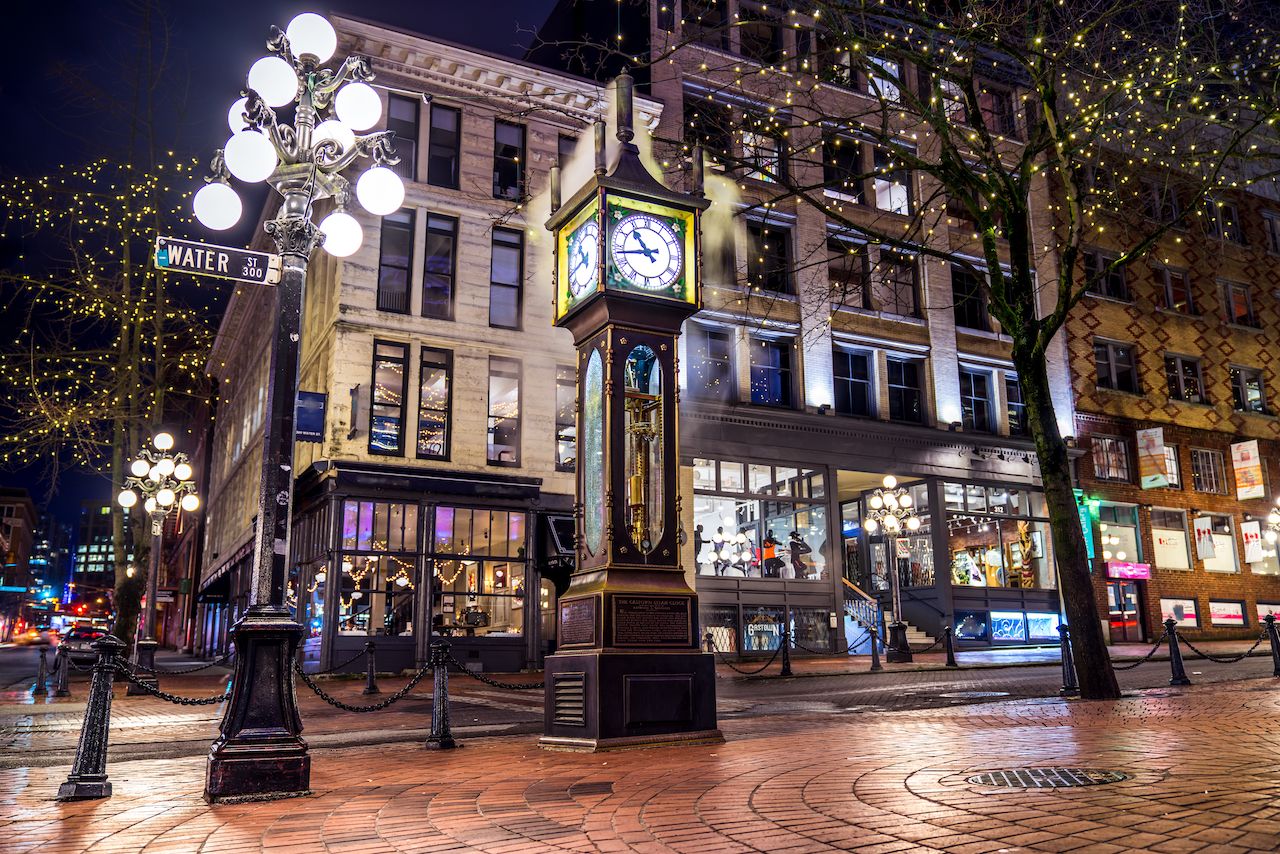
(222, 262)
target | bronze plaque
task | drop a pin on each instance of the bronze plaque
(652, 621)
(578, 622)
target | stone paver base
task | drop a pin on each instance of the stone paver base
(1201, 765)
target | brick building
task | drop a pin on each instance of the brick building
(1184, 344)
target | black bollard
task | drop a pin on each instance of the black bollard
(710, 643)
(88, 777)
(951, 646)
(786, 653)
(441, 738)
(1070, 686)
(875, 651)
(1273, 634)
(1178, 674)
(42, 674)
(370, 670)
(62, 673)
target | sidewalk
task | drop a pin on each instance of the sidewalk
(799, 783)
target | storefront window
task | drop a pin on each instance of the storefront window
(1224, 546)
(761, 628)
(478, 572)
(377, 595)
(811, 627)
(1169, 536)
(998, 537)
(1118, 530)
(780, 536)
(721, 622)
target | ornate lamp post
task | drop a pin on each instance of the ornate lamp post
(163, 480)
(259, 753)
(891, 508)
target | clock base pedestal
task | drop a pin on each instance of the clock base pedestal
(601, 700)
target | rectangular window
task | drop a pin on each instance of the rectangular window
(710, 363)
(402, 117)
(1224, 546)
(504, 412)
(1111, 459)
(769, 264)
(1271, 224)
(882, 79)
(771, 372)
(508, 160)
(762, 151)
(954, 105)
(395, 256)
(709, 124)
(1017, 407)
(705, 22)
(1169, 536)
(386, 403)
(566, 423)
(439, 267)
(1160, 201)
(847, 273)
(506, 278)
(444, 148)
(894, 285)
(1172, 467)
(1246, 390)
(1100, 280)
(1239, 303)
(1185, 382)
(1223, 221)
(842, 167)
(996, 106)
(968, 299)
(435, 386)
(760, 37)
(565, 147)
(1175, 286)
(891, 184)
(853, 382)
(905, 398)
(1207, 471)
(975, 400)
(1116, 367)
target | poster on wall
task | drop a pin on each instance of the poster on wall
(1251, 533)
(1182, 611)
(1171, 548)
(1247, 464)
(1266, 609)
(1151, 462)
(1203, 527)
(1226, 613)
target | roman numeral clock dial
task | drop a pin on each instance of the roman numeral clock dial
(646, 251)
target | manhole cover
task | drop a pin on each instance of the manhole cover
(1047, 778)
(975, 695)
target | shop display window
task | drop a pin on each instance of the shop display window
(1008, 626)
(1169, 536)
(377, 594)
(811, 627)
(761, 628)
(1042, 627)
(1266, 609)
(721, 622)
(1224, 546)
(971, 625)
(478, 572)
(1118, 531)
(998, 537)
(1183, 611)
(1229, 614)
(379, 526)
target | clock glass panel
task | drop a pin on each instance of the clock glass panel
(578, 259)
(650, 249)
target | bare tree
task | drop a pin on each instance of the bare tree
(947, 129)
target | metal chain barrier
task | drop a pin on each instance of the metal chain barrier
(866, 633)
(128, 674)
(480, 677)
(342, 665)
(375, 707)
(759, 669)
(160, 671)
(1224, 659)
(1131, 665)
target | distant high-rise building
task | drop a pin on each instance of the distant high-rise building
(93, 564)
(17, 532)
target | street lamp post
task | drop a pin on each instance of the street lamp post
(163, 480)
(259, 753)
(891, 509)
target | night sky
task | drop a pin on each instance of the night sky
(68, 62)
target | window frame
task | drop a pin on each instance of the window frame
(1214, 218)
(1172, 466)
(407, 168)
(566, 378)
(1109, 446)
(1112, 374)
(844, 249)
(1229, 290)
(918, 390)
(969, 302)
(1271, 225)
(411, 227)
(518, 190)
(760, 258)
(698, 335)
(1175, 371)
(850, 382)
(518, 440)
(454, 181)
(430, 229)
(1238, 376)
(1095, 261)
(447, 412)
(518, 285)
(1019, 425)
(968, 392)
(786, 373)
(1165, 277)
(902, 260)
(403, 359)
(1217, 469)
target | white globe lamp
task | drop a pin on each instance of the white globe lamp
(217, 206)
(310, 35)
(150, 505)
(274, 81)
(127, 498)
(163, 441)
(358, 105)
(250, 156)
(890, 481)
(139, 468)
(165, 466)
(182, 471)
(380, 191)
(342, 234)
(190, 502)
(871, 526)
(166, 497)
(332, 129)
(236, 115)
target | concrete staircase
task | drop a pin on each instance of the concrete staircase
(915, 637)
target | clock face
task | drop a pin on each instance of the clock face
(584, 258)
(646, 251)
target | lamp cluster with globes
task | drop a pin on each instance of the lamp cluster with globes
(890, 507)
(161, 479)
(331, 108)
(1272, 533)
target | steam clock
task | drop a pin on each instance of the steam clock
(628, 670)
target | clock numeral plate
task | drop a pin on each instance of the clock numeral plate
(646, 250)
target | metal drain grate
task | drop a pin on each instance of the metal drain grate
(1047, 778)
(974, 695)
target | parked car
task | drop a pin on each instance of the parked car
(34, 636)
(79, 643)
